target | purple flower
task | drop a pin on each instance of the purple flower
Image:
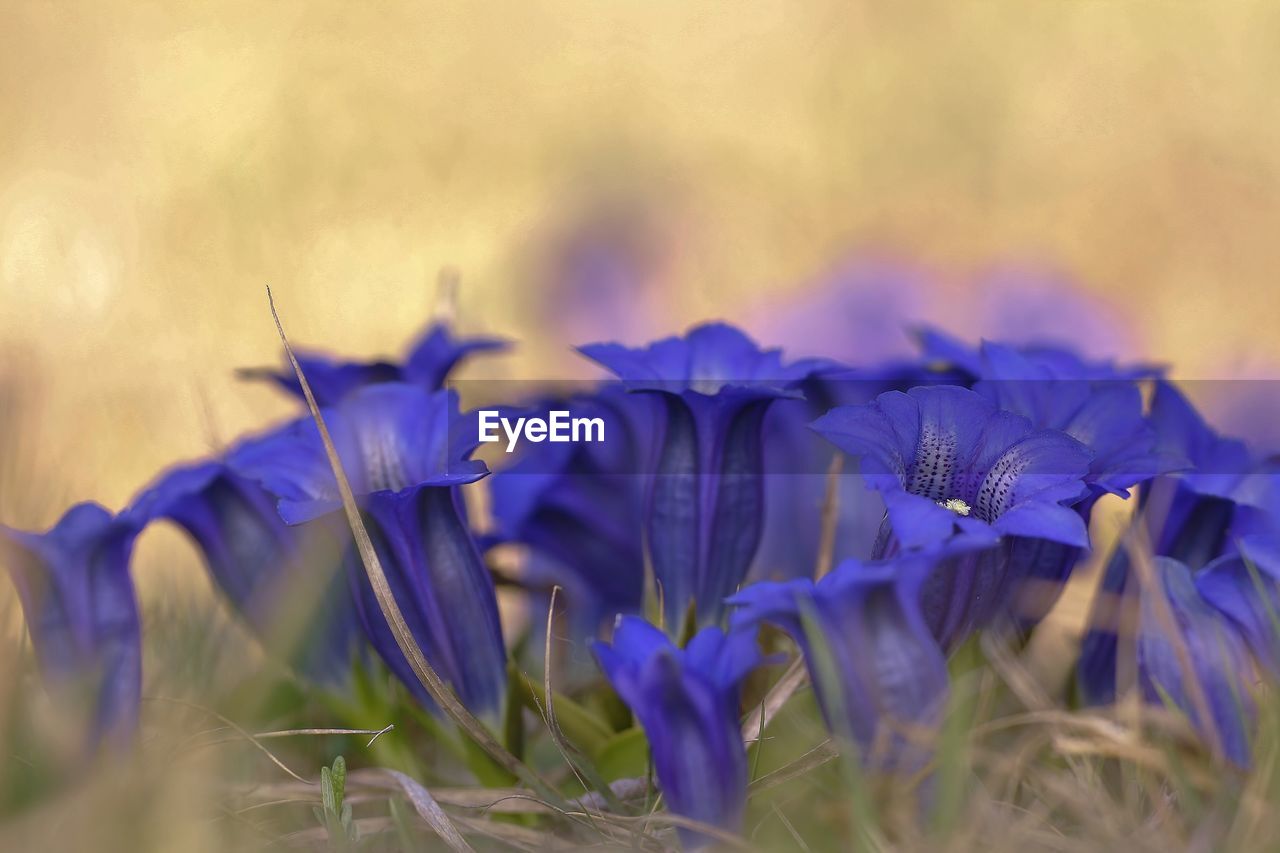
(705, 501)
(954, 468)
(273, 575)
(428, 363)
(404, 450)
(1210, 685)
(1098, 403)
(872, 658)
(82, 613)
(687, 701)
(796, 470)
(949, 462)
(1195, 515)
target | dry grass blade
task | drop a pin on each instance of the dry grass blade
(814, 758)
(760, 717)
(830, 517)
(435, 686)
(724, 837)
(376, 733)
(553, 726)
(429, 810)
(581, 769)
(372, 784)
(520, 837)
(245, 735)
(317, 732)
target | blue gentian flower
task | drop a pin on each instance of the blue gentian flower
(687, 701)
(950, 462)
(404, 450)
(797, 461)
(705, 493)
(578, 507)
(1194, 516)
(273, 575)
(82, 613)
(428, 363)
(796, 483)
(954, 468)
(1098, 403)
(1219, 659)
(863, 623)
(1219, 699)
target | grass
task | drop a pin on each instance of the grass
(1013, 769)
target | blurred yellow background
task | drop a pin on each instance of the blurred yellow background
(160, 162)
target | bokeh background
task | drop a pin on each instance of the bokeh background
(597, 170)
(1105, 172)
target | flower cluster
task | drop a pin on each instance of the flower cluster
(967, 481)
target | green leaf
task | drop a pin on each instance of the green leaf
(513, 716)
(339, 778)
(584, 729)
(623, 756)
(488, 772)
(327, 797)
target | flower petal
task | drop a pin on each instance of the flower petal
(1246, 587)
(1219, 661)
(82, 614)
(444, 592)
(687, 702)
(302, 612)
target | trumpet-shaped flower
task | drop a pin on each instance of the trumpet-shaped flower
(1196, 660)
(872, 658)
(1098, 403)
(1194, 516)
(286, 585)
(687, 701)
(949, 462)
(798, 473)
(954, 468)
(82, 614)
(1226, 493)
(404, 451)
(705, 501)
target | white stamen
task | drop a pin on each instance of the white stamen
(956, 505)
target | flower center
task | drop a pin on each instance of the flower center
(956, 505)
